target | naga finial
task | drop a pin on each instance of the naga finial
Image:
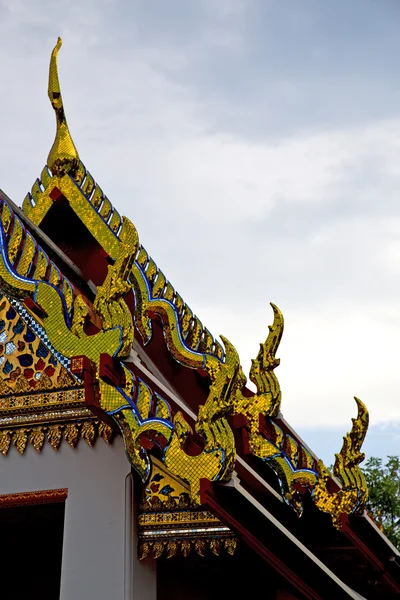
(262, 368)
(63, 157)
(350, 455)
(353, 495)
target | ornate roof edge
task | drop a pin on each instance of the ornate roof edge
(128, 402)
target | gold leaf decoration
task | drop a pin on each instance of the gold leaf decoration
(109, 303)
(187, 341)
(5, 441)
(5, 390)
(87, 429)
(172, 547)
(262, 372)
(215, 546)
(36, 438)
(20, 439)
(200, 547)
(63, 157)
(230, 545)
(88, 432)
(54, 435)
(106, 432)
(144, 550)
(65, 379)
(158, 548)
(185, 547)
(352, 497)
(71, 434)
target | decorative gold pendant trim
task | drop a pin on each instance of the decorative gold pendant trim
(185, 547)
(71, 431)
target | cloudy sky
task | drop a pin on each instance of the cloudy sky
(255, 144)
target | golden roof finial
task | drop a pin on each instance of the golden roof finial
(63, 157)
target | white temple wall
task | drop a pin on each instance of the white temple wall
(99, 550)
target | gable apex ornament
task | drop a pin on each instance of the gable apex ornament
(63, 157)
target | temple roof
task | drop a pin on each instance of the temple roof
(116, 335)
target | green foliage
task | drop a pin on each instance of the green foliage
(383, 481)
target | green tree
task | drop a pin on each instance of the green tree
(383, 481)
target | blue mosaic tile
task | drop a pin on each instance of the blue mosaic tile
(39, 332)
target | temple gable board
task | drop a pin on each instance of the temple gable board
(137, 463)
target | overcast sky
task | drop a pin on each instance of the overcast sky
(255, 144)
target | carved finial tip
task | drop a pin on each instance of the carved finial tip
(63, 157)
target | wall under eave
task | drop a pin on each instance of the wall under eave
(99, 551)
